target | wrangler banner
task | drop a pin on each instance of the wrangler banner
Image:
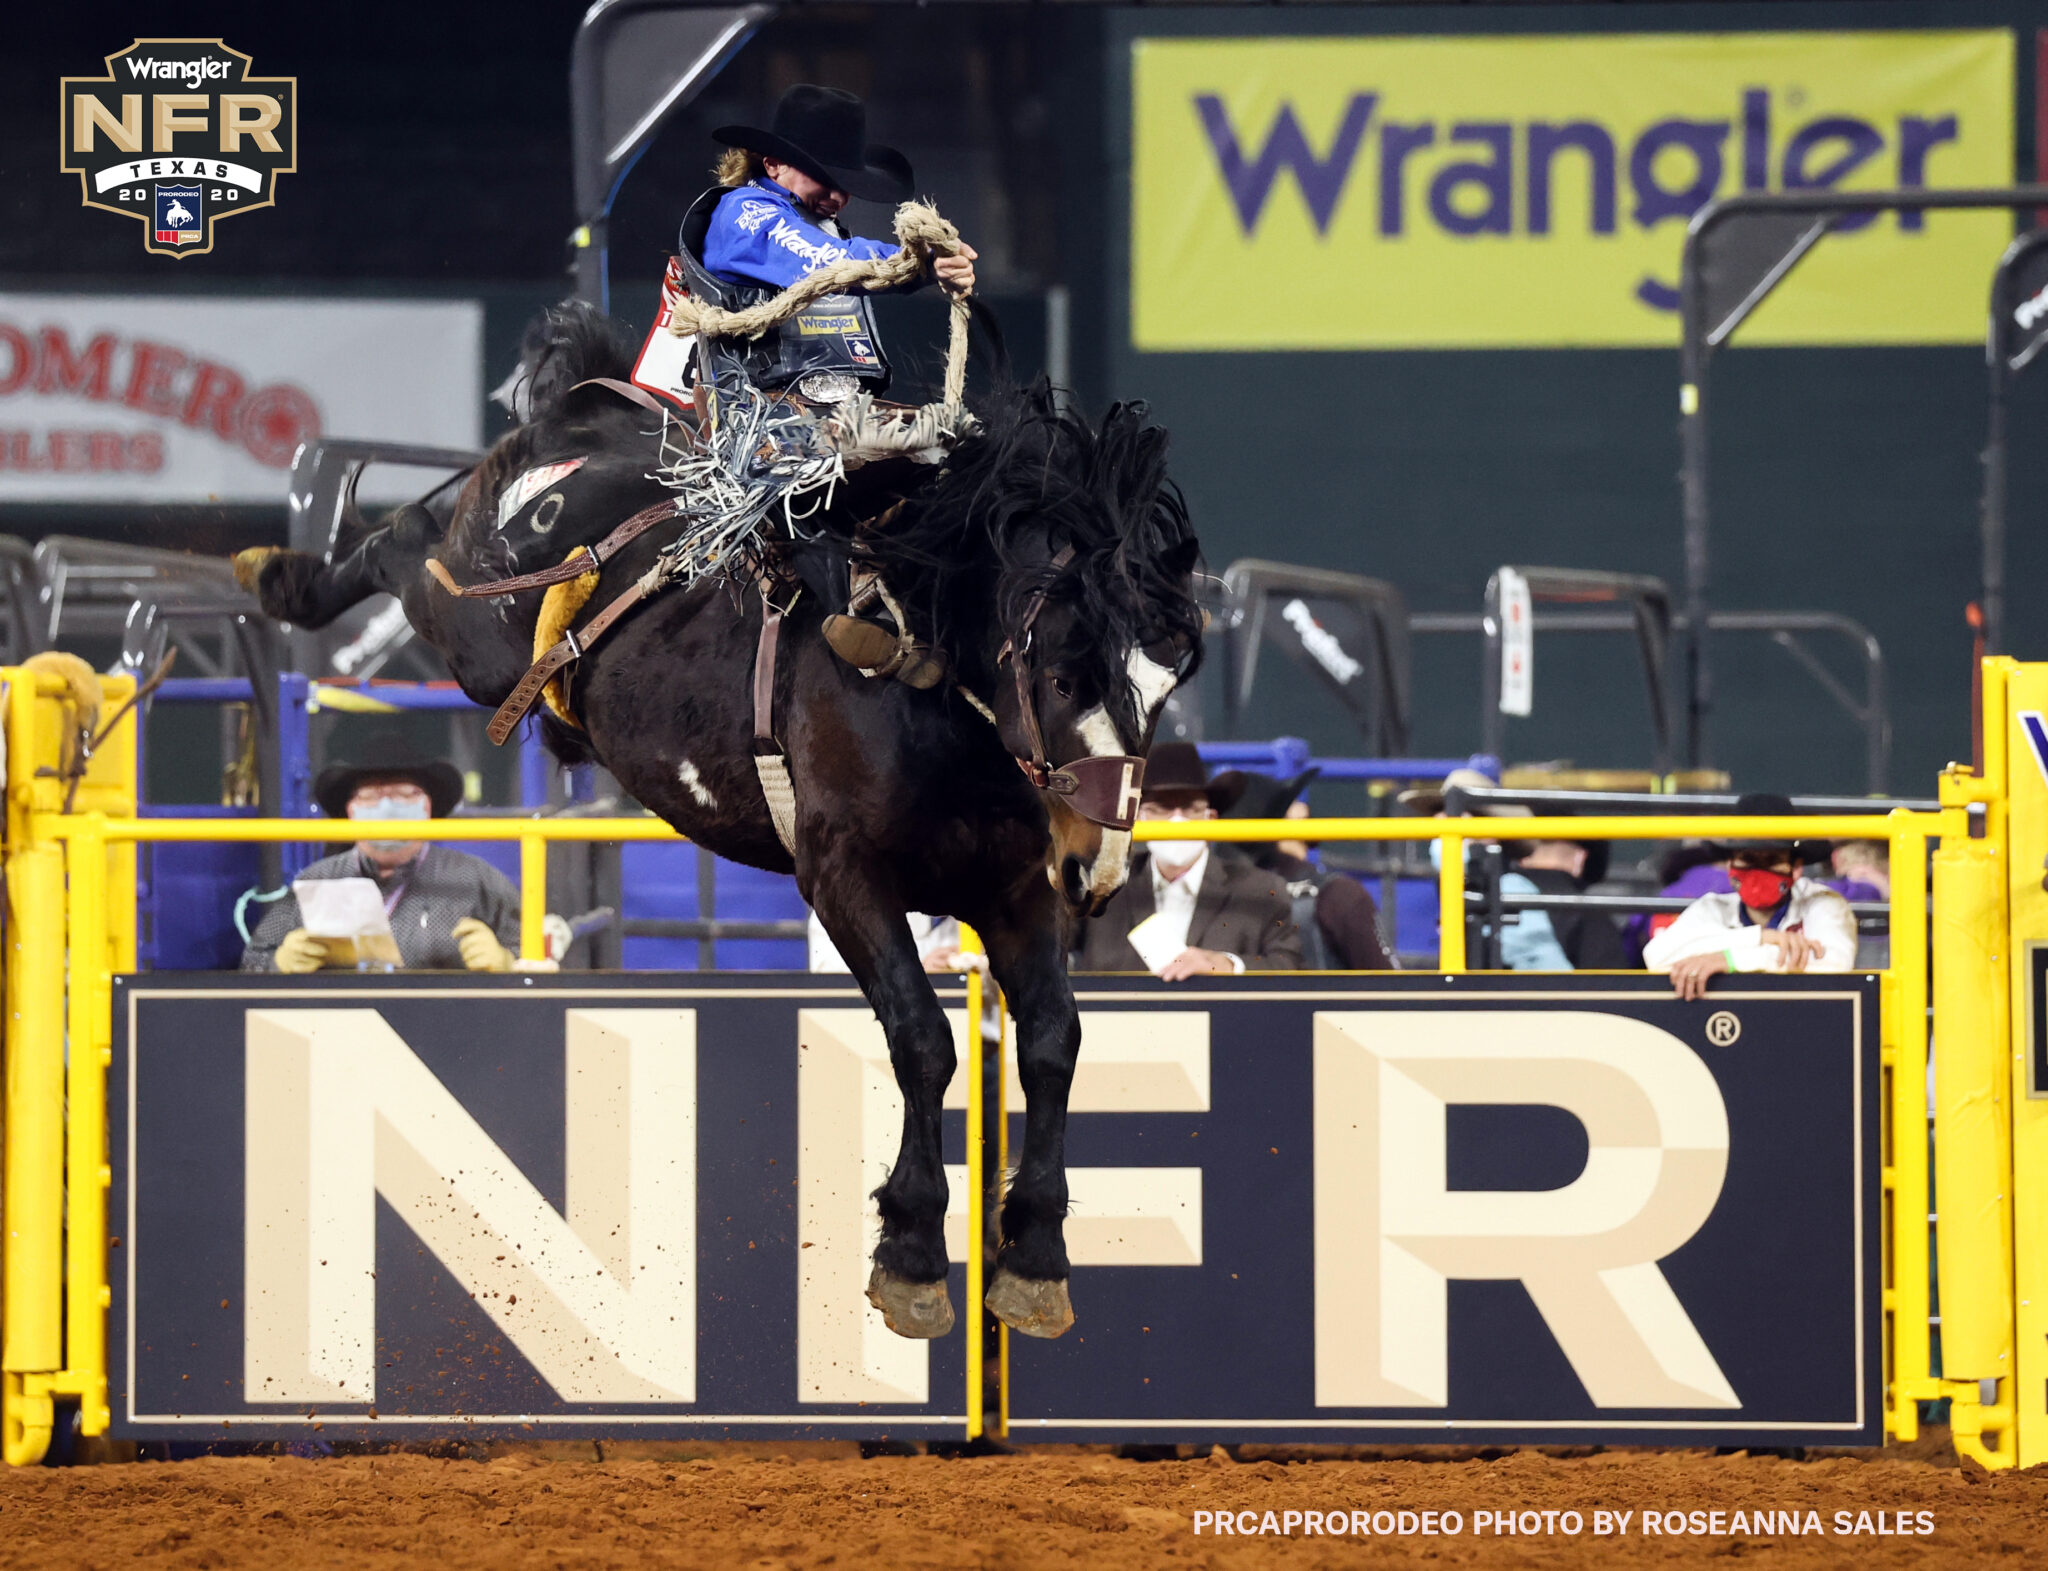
(1369, 193)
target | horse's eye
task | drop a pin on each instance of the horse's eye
(1063, 687)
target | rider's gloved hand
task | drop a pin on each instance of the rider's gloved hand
(300, 953)
(480, 948)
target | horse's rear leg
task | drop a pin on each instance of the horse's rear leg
(1028, 1292)
(298, 587)
(909, 1280)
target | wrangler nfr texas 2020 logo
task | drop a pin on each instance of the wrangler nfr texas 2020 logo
(178, 133)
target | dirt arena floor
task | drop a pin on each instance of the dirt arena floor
(570, 1507)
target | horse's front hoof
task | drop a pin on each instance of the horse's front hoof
(920, 1310)
(1036, 1308)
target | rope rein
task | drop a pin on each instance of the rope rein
(922, 235)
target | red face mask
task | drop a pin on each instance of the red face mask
(1760, 888)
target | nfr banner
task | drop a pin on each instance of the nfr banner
(633, 1206)
(1379, 192)
(1311, 1207)
(1481, 1209)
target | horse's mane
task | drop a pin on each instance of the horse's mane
(1037, 478)
(567, 344)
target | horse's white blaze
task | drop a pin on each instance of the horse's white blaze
(1098, 732)
(1112, 864)
(686, 772)
(1151, 681)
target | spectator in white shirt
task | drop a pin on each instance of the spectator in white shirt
(1191, 908)
(1775, 921)
(937, 939)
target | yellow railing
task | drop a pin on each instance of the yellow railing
(87, 838)
(70, 887)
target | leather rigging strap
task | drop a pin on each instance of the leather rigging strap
(769, 763)
(764, 677)
(588, 560)
(626, 390)
(572, 647)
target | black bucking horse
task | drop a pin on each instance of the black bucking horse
(1050, 560)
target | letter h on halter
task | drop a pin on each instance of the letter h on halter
(1128, 795)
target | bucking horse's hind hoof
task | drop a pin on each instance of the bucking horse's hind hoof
(1036, 1308)
(249, 565)
(920, 1310)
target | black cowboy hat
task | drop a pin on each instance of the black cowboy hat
(1599, 856)
(388, 756)
(824, 132)
(1261, 796)
(1769, 804)
(1174, 770)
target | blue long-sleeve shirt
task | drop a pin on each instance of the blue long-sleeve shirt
(1531, 943)
(759, 235)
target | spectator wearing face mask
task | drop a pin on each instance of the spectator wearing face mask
(1775, 920)
(448, 910)
(1191, 908)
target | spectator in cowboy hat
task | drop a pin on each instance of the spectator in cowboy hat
(448, 910)
(1775, 920)
(1191, 908)
(1335, 914)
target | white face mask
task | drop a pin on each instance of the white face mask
(1177, 853)
(1436, 854)
(389, 809)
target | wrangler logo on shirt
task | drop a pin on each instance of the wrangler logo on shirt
(815, 253)
(821, 325)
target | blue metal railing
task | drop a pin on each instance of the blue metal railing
(1286, 756)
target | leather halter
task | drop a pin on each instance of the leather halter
(1105, 788)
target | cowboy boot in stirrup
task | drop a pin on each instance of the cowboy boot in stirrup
(923, 667)
(855, 639)
(875, 649)
(859, 642)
